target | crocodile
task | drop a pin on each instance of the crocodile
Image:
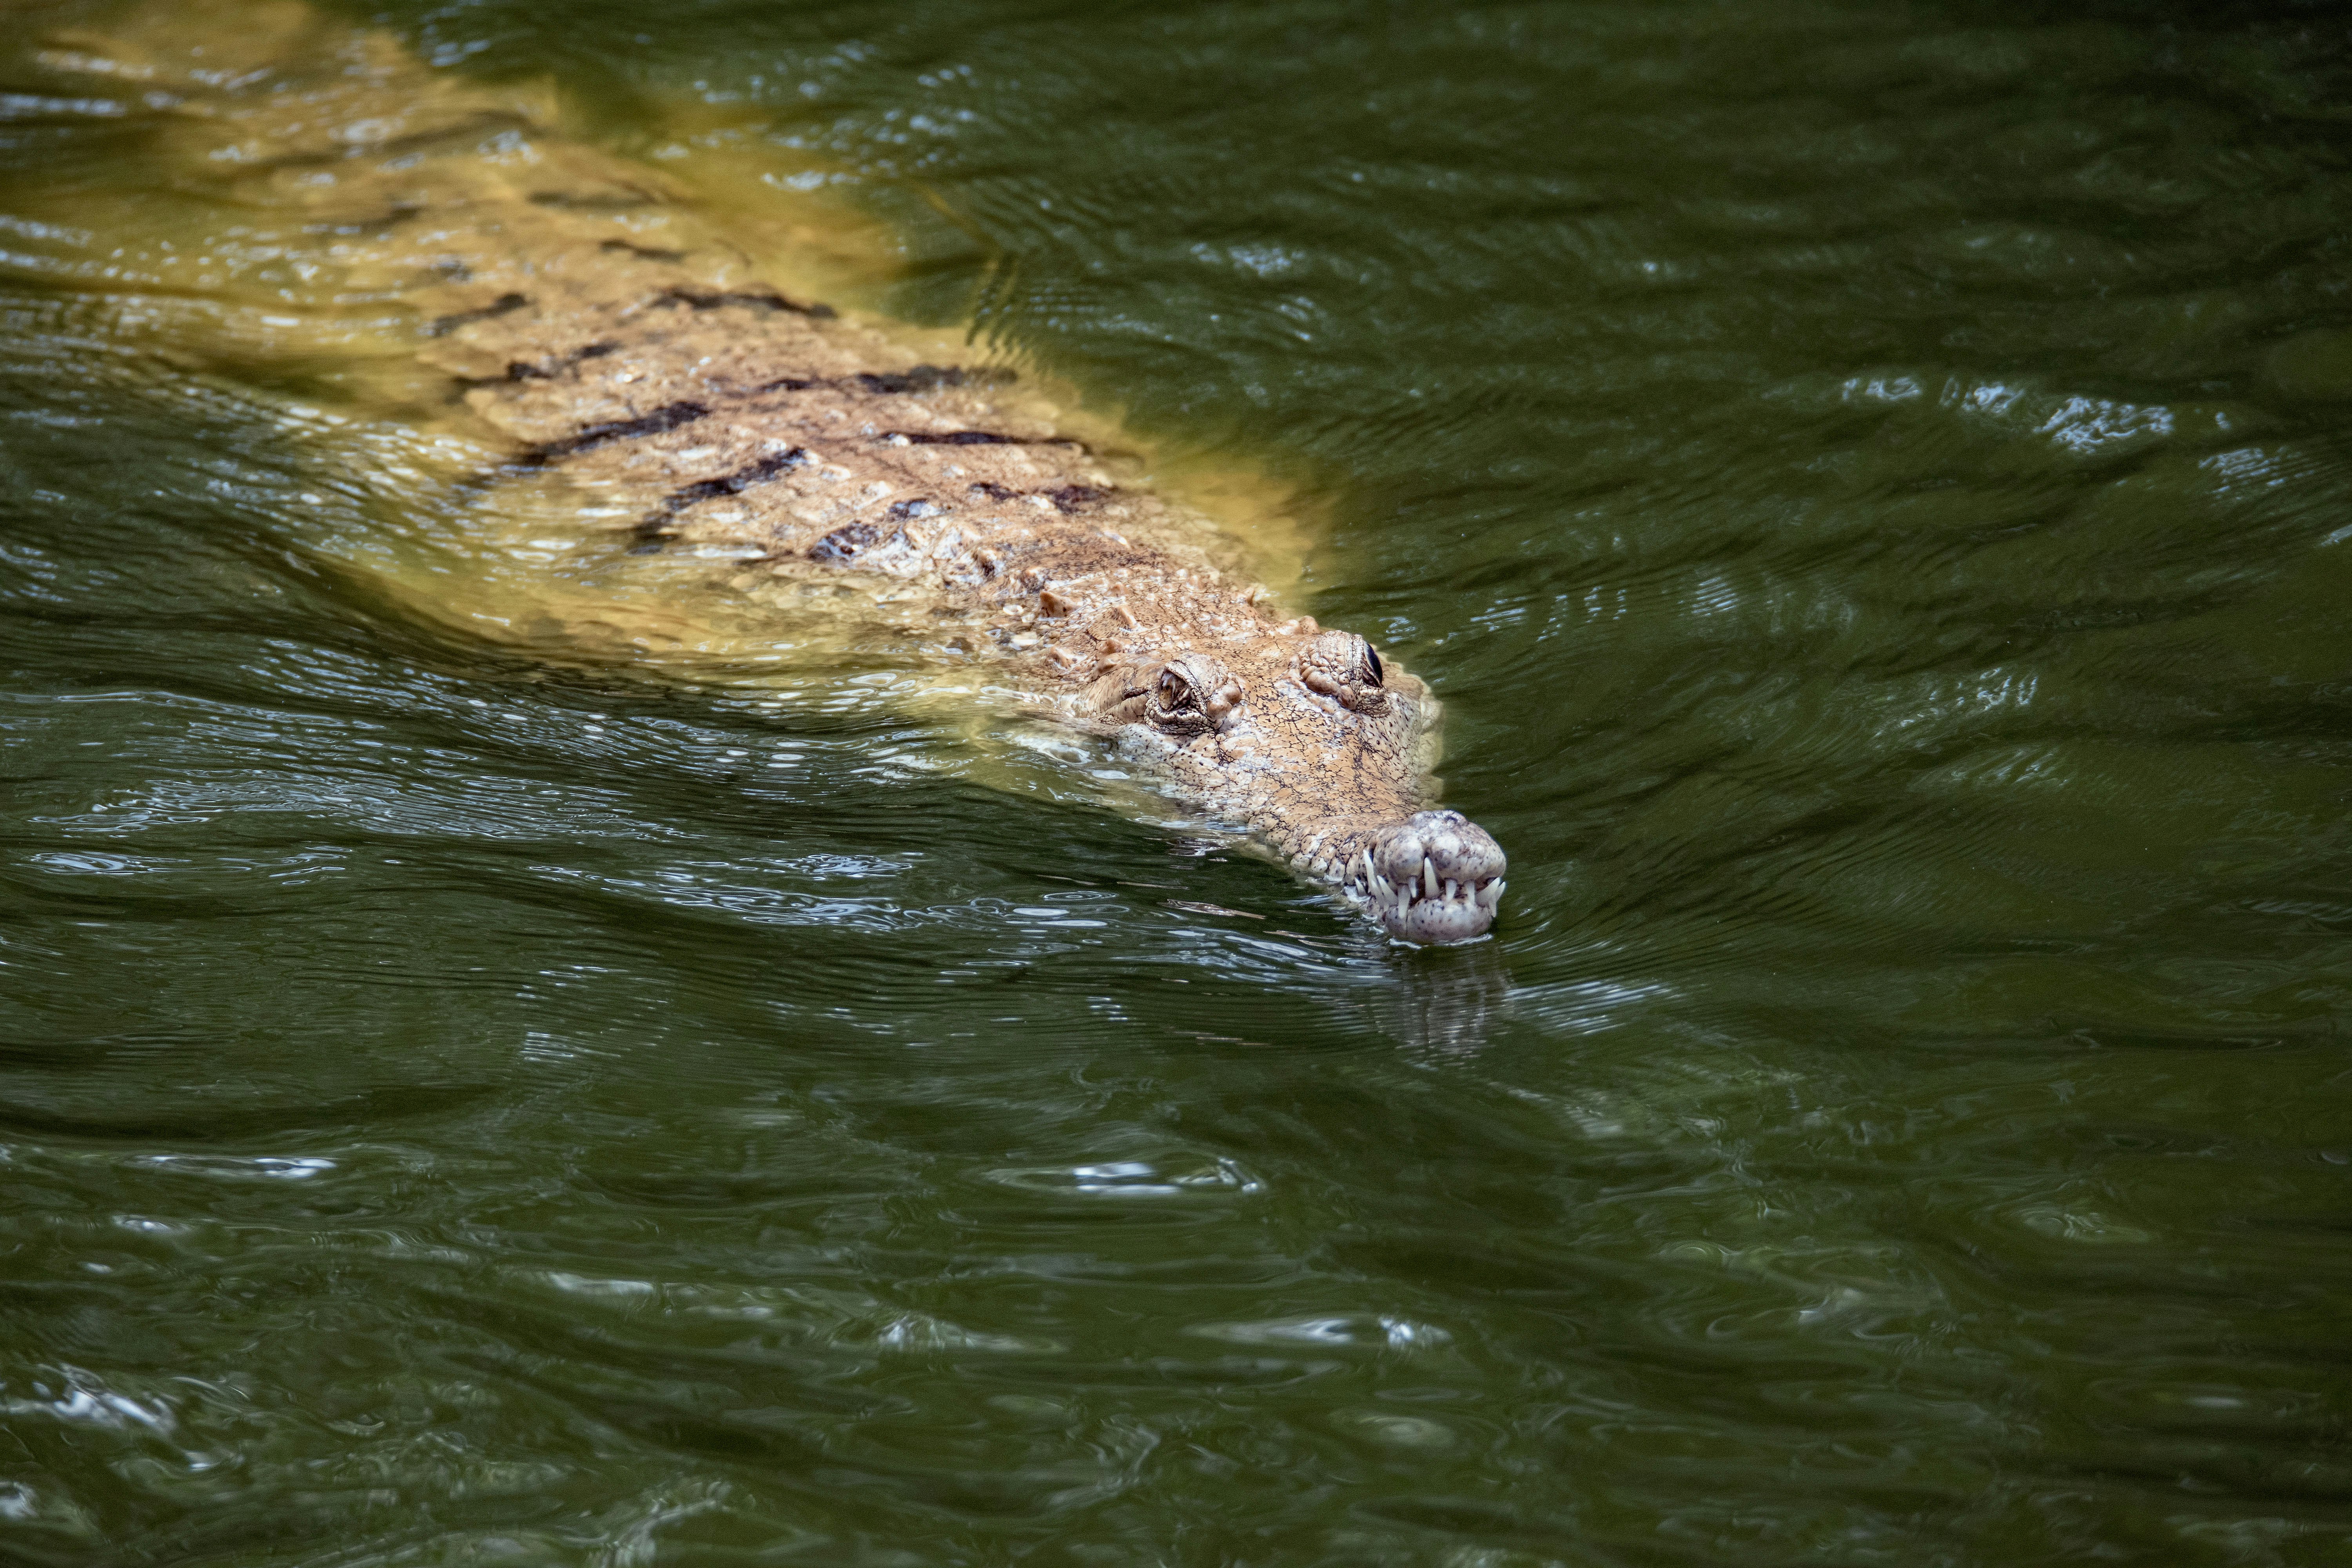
(630, 362)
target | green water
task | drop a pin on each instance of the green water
(1872, 485)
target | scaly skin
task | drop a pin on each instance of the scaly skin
(631, 360)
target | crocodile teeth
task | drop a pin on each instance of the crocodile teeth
(1372, 877)
(1386, 894)
(1428, 878)
(1492, 893)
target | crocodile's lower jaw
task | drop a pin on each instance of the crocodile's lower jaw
(1457, 913)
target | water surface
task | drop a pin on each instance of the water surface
(1871, 485)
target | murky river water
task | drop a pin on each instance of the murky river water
(1872, 484)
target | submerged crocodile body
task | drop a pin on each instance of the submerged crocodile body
(630, 360)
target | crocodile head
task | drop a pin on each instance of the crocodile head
(1323, 751)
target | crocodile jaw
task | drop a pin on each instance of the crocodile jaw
(1434, 878)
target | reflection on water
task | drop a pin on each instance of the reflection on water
(1869, 486)
(1439, 1008)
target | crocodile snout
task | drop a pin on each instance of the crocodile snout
(1436, 877)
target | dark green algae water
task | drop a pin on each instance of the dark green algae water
(1871, 483)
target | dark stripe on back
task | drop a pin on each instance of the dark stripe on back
(401, 213)
(523, 370)
(916, 378)
(769, 467)
(954, 438)
(750, 299)
(442, 325)
(1073, 497)
(669, 416)
(847, 543)
(600, 202)
(1067, 500)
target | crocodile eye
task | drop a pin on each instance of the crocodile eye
(1175, 704)
(1194, 695)
(1343, 666)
